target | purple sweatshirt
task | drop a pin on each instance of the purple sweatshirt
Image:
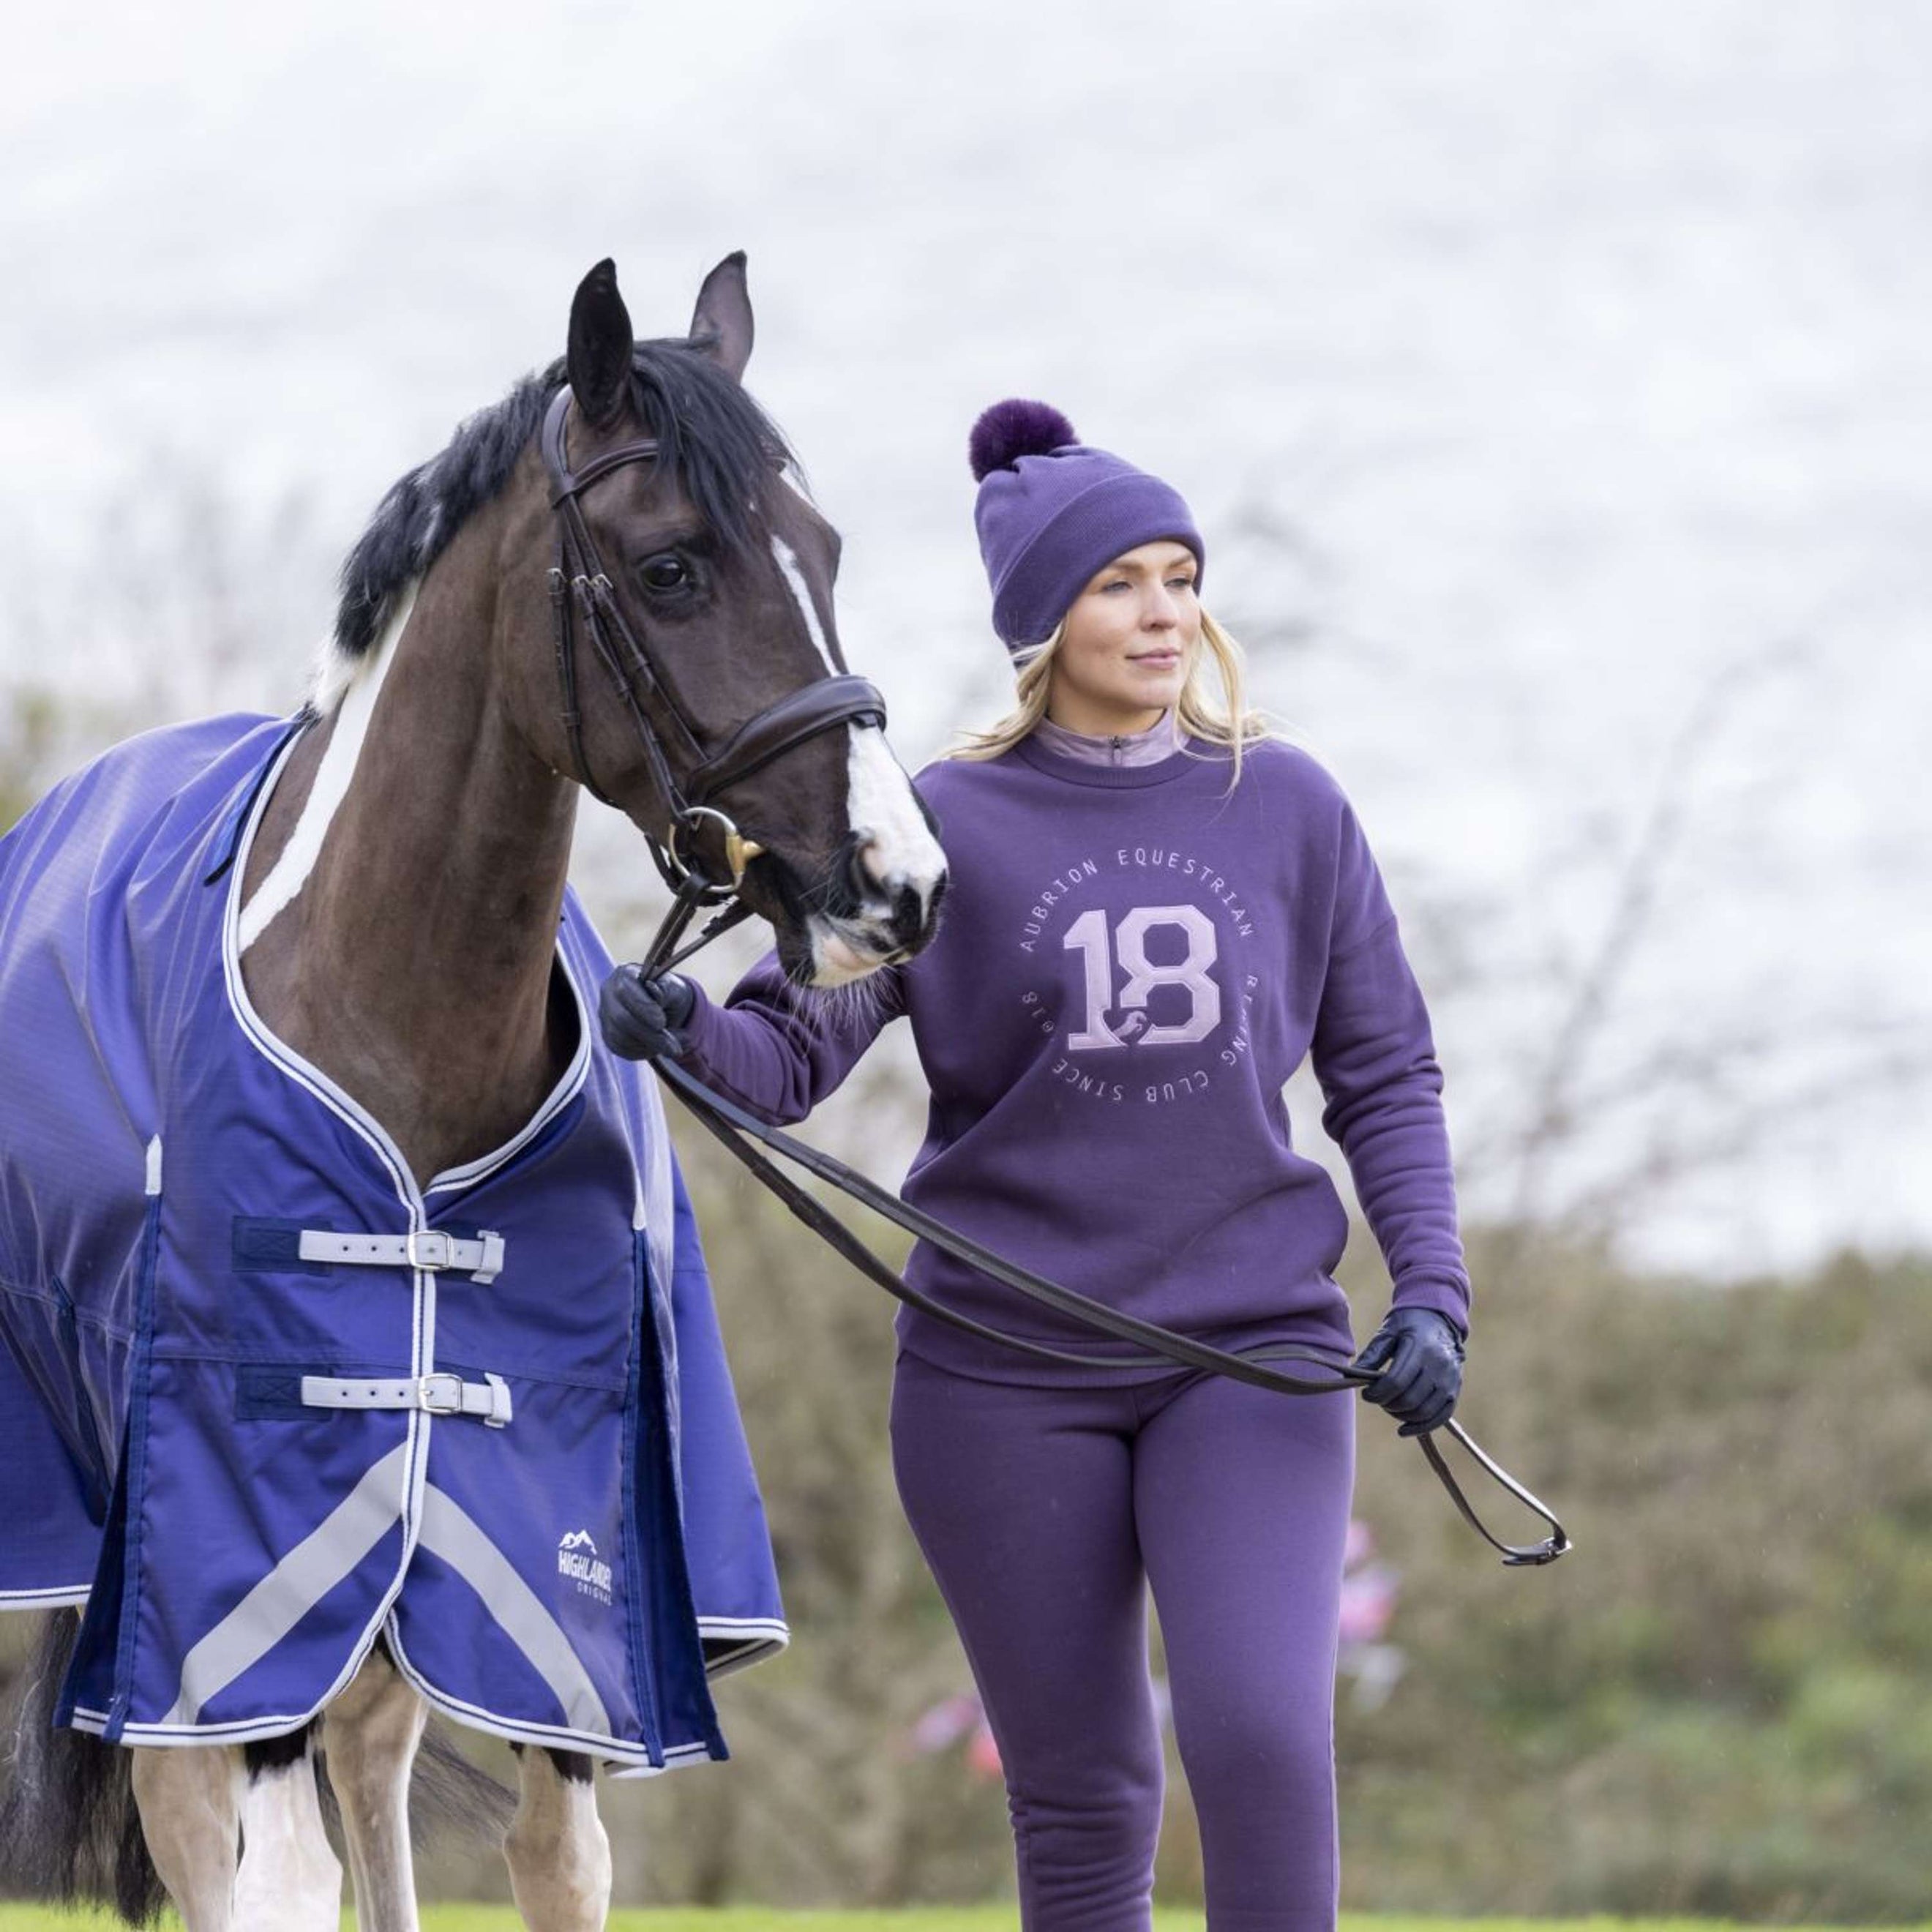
(1131, 963)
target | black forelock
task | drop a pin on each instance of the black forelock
(724, 450)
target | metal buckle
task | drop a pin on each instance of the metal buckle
(437, 1251)
(432, 1399)
(739, 851)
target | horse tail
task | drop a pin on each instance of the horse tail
(70, 1831)
(449, 1795)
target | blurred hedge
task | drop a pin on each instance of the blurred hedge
(1722, 1701)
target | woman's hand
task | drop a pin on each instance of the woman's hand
(1416, 1357)
(640, 1017)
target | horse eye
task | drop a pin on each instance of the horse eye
(668, 572)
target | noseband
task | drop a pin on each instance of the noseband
(581, 598)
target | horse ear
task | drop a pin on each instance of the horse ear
(721, 325)
(598, 359)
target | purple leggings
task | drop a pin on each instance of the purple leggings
(1045, 1513)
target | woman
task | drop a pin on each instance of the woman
(1156, 911)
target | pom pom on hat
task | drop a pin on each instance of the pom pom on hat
(1015, 428)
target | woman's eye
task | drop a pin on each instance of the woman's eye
(666, 573)
(1180, 584)
(1118, 584)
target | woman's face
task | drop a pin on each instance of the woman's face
(1131, 637)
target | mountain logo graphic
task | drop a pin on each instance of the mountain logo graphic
(577, 1558)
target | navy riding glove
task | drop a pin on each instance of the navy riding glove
(1419, 1356)
(640, 1017)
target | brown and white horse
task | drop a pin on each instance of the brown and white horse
(400, 908)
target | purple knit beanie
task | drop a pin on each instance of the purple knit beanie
(1051, 511)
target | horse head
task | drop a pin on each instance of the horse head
(692, 674)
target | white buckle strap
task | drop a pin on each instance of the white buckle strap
(428, 1248)
(439, 1394)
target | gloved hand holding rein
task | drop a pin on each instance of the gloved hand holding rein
(1419, 1355)
(640, 1017)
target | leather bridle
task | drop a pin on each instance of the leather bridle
(581, 597)
(580, 594)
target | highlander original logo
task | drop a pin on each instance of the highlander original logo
(577, 1558)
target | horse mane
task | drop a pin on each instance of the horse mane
(723, 447)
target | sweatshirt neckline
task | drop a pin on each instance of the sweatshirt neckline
(1195, 754)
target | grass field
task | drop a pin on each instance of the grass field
(981, 1918)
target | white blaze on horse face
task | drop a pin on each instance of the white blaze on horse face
(296, 859)
(899, 851)
(788, 565)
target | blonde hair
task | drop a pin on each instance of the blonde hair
(1220, 718)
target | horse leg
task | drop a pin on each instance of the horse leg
(290, 1880)
(559, 1858)
(186, 1794)
(373, 1729)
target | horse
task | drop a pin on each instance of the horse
(359, 1358)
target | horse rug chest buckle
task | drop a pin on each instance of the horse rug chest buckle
(440, 1394)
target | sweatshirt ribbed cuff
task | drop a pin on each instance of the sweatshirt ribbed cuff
(1449, 1299)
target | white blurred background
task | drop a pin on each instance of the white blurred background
(1553, 385)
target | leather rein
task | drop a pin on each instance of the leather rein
(582, 600)
(738, 1130)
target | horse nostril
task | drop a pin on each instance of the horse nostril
(869, 867)
(904, 906)
(861, 880)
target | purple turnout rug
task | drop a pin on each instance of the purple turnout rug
(263, 1398)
